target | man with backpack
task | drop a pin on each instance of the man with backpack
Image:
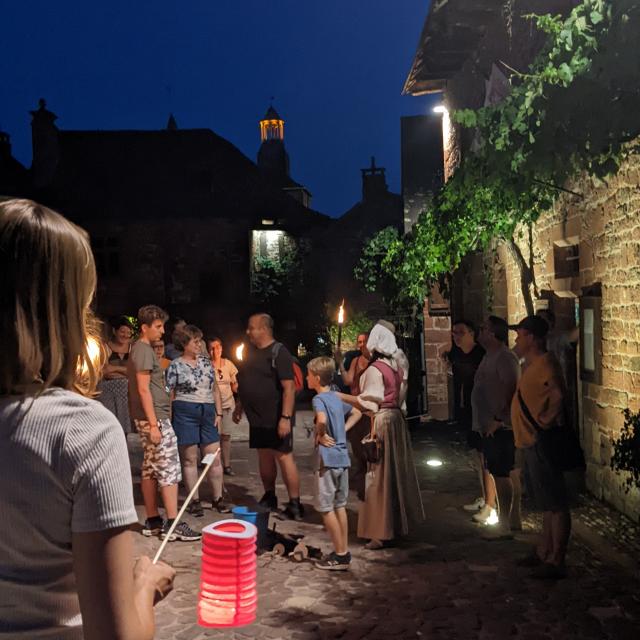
(267, 391)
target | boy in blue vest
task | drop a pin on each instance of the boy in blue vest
(332, 460)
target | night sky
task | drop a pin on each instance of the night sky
(335, 67)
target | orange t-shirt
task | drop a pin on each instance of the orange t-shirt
(542, 389)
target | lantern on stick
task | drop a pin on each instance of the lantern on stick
(228, 596)
(340, 323)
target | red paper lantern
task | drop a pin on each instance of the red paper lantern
(228, 596)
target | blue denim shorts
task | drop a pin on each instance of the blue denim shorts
(194, 422)
(332, 489)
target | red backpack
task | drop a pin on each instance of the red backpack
(298, 373)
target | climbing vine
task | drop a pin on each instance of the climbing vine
(573, 110)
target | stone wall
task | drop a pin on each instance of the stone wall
(437, 340)
(605, 222)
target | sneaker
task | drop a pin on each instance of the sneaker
(548, 571)
(228, 471)
(152, 527)
(293, 510)
(335, 562)
(182, 532)
(220, 505)
(476, 505)
(486, 515)
(269, 501)
(195, 509)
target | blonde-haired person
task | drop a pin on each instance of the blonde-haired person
(66, 503)
(332, 460)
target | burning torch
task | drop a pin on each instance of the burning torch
(240, 352)
(340, 323)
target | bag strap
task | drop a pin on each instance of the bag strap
(372, 429)
(275, 350)
(527, 413)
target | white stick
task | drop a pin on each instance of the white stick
(208, 460)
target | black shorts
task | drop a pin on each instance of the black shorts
(267, 438)
(474, 440)
(544, 480)
(499, 453)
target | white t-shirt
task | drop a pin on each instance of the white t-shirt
(65, 469)
(226, 376)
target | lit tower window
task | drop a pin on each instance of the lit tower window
(271, 126)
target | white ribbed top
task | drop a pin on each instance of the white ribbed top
(64, 468)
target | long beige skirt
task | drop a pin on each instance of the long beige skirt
(392, 495)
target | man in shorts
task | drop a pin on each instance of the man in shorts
(494, 385)
(537, 408)
(267, 395)
(150, 409)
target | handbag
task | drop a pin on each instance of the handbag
(372, 445)
(560, 443)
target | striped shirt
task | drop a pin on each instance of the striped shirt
(65, 470)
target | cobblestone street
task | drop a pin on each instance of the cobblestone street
(444, 582)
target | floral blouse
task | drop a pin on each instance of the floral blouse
(191, 383)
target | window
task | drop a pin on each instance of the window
(591, 339)
(566, 257)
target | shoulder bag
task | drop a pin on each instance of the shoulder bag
(559, 442)
(372, 445)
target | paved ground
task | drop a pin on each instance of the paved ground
(445, 582)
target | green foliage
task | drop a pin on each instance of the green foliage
(274, 277)
(574, 110)
(353, 326)
(626, 450)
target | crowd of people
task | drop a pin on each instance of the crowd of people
(512, 403)
(65, 454)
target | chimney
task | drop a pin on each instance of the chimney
(44, 139)
(374, 183)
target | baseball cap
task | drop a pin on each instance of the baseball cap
(535, 325)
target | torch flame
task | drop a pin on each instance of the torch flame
(341, 313)
(239, 352)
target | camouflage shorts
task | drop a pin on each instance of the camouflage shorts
(161, 461)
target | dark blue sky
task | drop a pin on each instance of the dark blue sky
(335, 67)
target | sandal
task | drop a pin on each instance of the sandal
(220, 506)
(374, 545)
(195, 509)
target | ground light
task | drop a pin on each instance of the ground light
(434, 462)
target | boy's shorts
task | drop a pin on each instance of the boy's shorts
(161, 461)
(332, 489)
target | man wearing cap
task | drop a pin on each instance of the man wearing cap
(537, 406)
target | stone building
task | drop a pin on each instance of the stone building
(177, 217)
(586, 262)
